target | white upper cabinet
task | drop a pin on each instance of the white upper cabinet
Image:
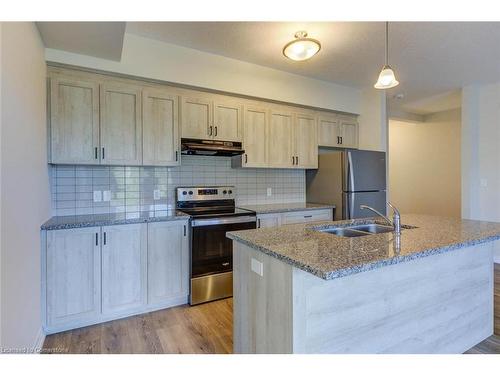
(349, 132)
(196, 118)
(168, 261)
(160, 127)
(337, 131)
(73, 276)
(306, 141)
(204, 118)
(96, 119)
(121, 125)
(256, 124)
(227, 121)
(74, 121)
(328, 130)
(124, 267)
(280, 139)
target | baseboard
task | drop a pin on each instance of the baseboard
(39, 339)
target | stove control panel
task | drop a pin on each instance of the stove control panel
(204, 193)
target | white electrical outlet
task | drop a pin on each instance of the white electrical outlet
(257, 267)
(156, 194)
(106, 195)
(269, 192)
(97, 196)
(484, 182)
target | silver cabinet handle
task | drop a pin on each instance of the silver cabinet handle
(95, 153)
(104, 239)
(246, 158)
(102, 153)
(210, 130)
(215, 131)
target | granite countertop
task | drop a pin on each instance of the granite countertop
(285, 207)
(329, 256)
(81, 221)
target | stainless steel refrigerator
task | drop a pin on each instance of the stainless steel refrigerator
(349, 179)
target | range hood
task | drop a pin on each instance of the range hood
(210, 147)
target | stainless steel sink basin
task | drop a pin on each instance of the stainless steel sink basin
(373, 228)
(344, 232)
(358, 230)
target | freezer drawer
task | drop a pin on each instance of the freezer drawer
(352, 201)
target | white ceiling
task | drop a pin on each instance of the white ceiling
(99, 39)
(431, 59)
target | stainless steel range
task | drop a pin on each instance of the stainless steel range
(213, 214)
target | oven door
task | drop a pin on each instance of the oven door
(211, 251)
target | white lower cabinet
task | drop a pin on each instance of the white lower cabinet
(306, 216)
(168, 262)
(97, 274)
(124, 272)
(268, 220)
(294, 217)
(73, 276)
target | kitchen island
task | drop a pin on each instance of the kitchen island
(299, 289)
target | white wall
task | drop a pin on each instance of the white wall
(25, 182)
(481, 153)
(148, 58)
(424, 165)
(373, 120)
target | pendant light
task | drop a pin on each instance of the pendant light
(386, 78)
(302, 48)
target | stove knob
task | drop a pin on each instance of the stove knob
(190, 192)
(230, 192)
(184, 192)
(224, 192)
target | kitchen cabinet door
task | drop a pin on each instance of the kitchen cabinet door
(306, 141)
(227, 123)
(328, 131)
(74, 121)
(168, 261)
(124, 267)
(121, 124)
(255, 127)
(160, 126)
(73, 276)
(196, 117)
(349, 133)
(268, 220)
(280, 140)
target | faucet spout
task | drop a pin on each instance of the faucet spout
(396, 217)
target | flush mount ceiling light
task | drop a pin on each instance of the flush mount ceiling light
(302, 48)
(386, 78)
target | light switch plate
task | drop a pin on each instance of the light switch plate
(97, 196)
(257, 267)
(156, 194)
(106, 195)
(269, 192)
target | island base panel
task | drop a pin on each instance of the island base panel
(440, 303)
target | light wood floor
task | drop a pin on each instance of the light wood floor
(204, 328)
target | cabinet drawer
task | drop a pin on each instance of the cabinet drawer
(306, 216)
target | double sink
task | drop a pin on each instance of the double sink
(358, 230)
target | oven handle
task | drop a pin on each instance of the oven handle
(219, 221)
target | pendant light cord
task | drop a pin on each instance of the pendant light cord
(387, 43)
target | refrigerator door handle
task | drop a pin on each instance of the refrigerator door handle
(350, 174)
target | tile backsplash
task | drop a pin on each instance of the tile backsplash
(132, 188)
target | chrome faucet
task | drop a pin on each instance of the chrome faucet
(396, 217)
